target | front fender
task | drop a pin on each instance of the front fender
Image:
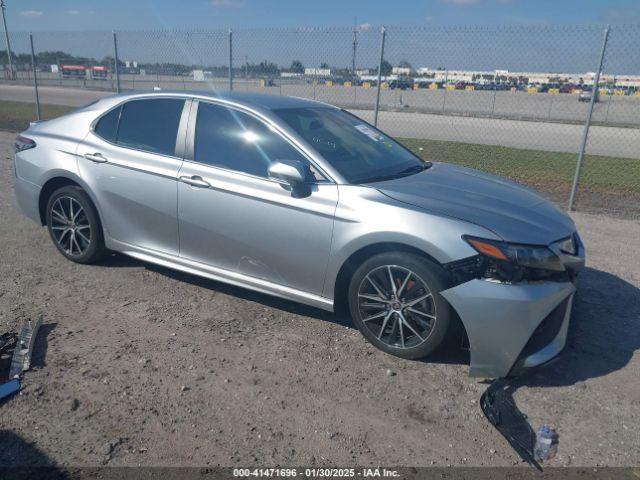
(365, 217)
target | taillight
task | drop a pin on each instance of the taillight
(24, 143)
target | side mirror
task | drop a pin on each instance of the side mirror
(289, 172)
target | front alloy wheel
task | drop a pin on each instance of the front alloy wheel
(396, 305)
(395, 301)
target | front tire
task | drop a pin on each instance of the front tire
(74, 225)
(395, 301)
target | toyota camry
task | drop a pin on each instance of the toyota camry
(305, 201)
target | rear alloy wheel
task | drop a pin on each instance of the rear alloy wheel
(74, 225)
(395, 302)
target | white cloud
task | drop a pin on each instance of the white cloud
(461, 2)
(364, 27)
(80, 12)
(429, 18)
(226, 3)
(31, 13)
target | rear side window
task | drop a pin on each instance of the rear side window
(107, 127)
(150, 125)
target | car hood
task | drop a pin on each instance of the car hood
(511, 211)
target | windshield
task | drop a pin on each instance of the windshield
(358, 151)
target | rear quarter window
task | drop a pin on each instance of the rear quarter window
(107, 126)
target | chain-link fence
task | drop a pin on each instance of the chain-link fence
(515, 101)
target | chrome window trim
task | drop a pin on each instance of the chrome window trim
(244, 174)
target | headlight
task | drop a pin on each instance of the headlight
(515, 262)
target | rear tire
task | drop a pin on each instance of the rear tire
(408, 319)
(74, 225)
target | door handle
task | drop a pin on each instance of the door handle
(95, 157)
(195, 181)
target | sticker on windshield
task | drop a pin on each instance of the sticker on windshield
(369, 132)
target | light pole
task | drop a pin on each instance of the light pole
(6, 36)
(355, 47)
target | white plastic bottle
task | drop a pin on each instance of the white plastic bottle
(546, 446)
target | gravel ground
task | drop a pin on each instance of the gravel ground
(138, 365)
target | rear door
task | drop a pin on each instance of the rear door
(130, 160)
(233, 216)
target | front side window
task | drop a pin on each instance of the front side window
(237, 141)
(358, 151)
(150, 125)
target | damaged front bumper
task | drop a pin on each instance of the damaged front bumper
(512, 326)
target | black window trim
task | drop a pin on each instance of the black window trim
(179, 150)
(191, 136)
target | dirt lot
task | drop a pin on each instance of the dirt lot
(138, 365)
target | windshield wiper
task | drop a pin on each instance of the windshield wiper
(413, 169)
(402, 173)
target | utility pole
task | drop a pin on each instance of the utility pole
(355, 47)
(6, 36)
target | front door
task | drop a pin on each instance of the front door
(232, 216)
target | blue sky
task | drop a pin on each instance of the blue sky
(24, 15)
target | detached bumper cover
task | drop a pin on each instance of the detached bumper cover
(500, 319)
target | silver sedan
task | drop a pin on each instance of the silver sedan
(305, 201)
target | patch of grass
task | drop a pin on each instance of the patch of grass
(15, 116)
(550, 172)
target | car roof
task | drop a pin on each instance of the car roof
(248, 99)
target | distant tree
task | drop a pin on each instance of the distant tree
(296, 67)
(404, 64)
(324, 65)
(386, 68)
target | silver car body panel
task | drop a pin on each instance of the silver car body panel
(511, 211)
(137, 193)
(500, 318)
(222, 275)
(255, 228)
(252, 232)
(366, 217)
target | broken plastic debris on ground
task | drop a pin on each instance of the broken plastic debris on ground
(501, 410)
(22, 345)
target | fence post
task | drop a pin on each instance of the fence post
(585, 133)
(444, 94)
(493, 101)
(230, 60)
(35, 75)
(116, 67)
(6, 37)
(383, 32)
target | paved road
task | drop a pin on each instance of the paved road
(612, 141)
(611, 109)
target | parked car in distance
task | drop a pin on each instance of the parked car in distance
(585, 96)
(305, 201)
(401, 83)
